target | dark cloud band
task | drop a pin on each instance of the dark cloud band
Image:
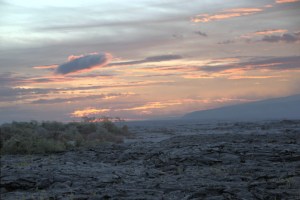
(288, 38)
(159, 58)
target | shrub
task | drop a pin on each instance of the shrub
(87, 128)
(31, 145)
(111, 127)
(50, 137)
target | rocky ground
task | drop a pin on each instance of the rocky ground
(179, 161)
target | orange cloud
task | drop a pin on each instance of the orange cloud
(264, 33)
(286, 1)
(226, 14)
(269, 32)
(268, 6)
(251, 77)
(88, 112)
(149, 107)
(73, 57)
(198, 76)
(45, 67)
(153, 105)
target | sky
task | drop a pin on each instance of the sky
(144, 59)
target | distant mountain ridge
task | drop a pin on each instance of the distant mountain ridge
(277, 108)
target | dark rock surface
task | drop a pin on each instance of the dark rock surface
(235, 161)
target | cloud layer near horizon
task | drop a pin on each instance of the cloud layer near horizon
(83, 63)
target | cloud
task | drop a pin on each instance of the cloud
(177, 36)
(227, 42)
(159, 58)
(163, 58)
(16, 80)
(49, 67)
(165, 70)
(277, 63)
(9, 94)
(120, 85)
(197, 76)
(270, 31)
(95, 75)
(83, 63)
(152, 105)
(252, 77)
(226, 14)
(19, 95)
(288, 38)
(8, 79)
(88, 111)
(200, 33)
(286, 1)
(81, 98)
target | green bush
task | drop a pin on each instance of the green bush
(31, 145)
(50, 137)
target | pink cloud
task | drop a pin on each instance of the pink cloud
(286, 1)
(271, 31)
(226, 14)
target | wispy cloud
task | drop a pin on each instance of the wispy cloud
(83, 63)
(227, 42)
(9, 79)
(252, 77)
(151, 59)
(9, 94)
(286, 1)
(272, 36)
(81, 98)
(277, 63)
(288, 38)
(197, 76)
(50, 67)
(45, 95)
(152, 105)
(270, 31)
(200, 33)
(265, 32)
(226, 14)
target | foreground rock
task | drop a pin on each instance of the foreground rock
(263, 164)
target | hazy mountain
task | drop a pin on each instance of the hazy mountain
(278, 108)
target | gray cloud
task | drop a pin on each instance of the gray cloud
(200, 33)
(277, 63)
(177, 36)
(14, 94)
(10, 79)
(92, 75)
(288, 38)
(227, 42)
(73, 99)
(83, 63)
(162, 58)
(159, 58)
(5, 79)
(9, 94)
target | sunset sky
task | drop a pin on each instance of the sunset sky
(144, 59)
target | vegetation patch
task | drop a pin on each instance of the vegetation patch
(51, 137)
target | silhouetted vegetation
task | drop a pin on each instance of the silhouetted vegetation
(50, 137)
